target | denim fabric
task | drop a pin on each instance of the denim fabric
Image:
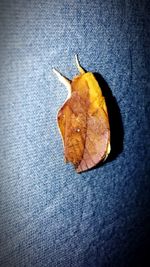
(50, 215)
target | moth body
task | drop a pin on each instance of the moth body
(83, 122)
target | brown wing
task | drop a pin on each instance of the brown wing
(97, 140)
(72, 124)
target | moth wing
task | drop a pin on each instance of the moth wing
(97, 140)
(72, 125)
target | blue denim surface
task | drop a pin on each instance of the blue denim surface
(51, 216)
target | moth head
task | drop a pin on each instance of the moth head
(64, 79)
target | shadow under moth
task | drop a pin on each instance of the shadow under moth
(83, 121)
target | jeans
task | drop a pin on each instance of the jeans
(50, 215)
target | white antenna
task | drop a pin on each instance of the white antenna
(63, 79)
(80, 69)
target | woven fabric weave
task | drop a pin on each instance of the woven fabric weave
(50, 215)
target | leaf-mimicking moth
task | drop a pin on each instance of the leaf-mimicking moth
(83, 121)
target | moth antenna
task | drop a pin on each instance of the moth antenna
(80, 69)
(63, 79)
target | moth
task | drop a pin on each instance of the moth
(83, 121)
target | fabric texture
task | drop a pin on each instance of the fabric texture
(50, 215)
